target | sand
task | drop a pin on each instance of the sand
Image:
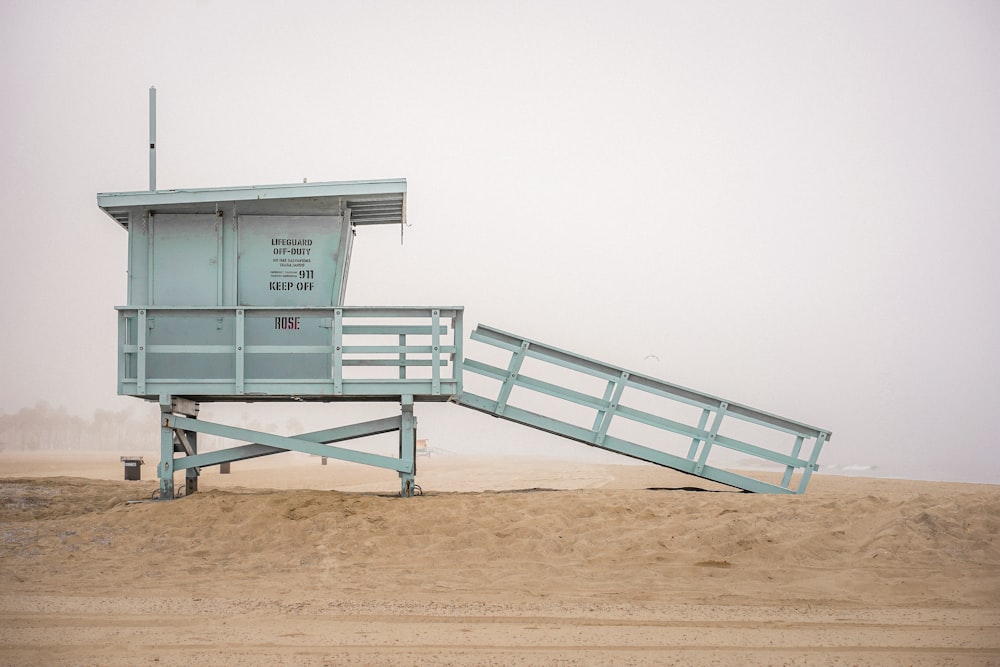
(501, 562)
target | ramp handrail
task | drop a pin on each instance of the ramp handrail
(706, 434)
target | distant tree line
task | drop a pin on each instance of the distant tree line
(44, 427)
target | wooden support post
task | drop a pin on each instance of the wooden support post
(408, 448)
(191, 474)
(165, 469)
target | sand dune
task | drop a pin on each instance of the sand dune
(502, 562)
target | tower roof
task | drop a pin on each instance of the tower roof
(376, 202)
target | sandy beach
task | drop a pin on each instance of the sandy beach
(287, 561)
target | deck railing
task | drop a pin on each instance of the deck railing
(273, 353)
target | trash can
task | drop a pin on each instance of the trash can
(133, 468)
(224, 468)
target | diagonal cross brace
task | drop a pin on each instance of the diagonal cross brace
(264, 444)
(182, 438)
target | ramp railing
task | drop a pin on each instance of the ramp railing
(642, 417)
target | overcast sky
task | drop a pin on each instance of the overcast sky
(793, 205)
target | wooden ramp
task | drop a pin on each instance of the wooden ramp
(608, 407)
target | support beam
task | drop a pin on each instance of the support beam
(178, 433)
(191, 474)
(408, 448)
(184, 406)
(318, 438)
(282, 443)
(165, 469)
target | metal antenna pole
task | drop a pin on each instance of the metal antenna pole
(152, 138)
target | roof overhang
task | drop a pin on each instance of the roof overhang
(378, 202)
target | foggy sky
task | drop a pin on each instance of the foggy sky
(791, 205)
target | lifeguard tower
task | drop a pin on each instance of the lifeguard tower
(237, 294)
